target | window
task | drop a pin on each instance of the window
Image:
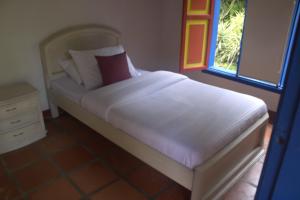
(242, 40)
(229, 37)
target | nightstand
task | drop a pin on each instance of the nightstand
(21, 120)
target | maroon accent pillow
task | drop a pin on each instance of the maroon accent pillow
(113, 68)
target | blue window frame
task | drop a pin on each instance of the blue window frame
(235, 75)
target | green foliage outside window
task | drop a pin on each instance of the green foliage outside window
(230, 30)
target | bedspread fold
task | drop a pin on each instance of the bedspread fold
(186, 120)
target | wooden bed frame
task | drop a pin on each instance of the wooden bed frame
(210, 180)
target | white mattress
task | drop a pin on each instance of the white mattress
(186, 120)
(65, 86)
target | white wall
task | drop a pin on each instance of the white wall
(171, 33)
(24, 24)
(151, 32)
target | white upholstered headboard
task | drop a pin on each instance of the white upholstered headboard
(85, 37)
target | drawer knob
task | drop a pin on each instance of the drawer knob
(15, 122)
(11, 109)
(19, 134)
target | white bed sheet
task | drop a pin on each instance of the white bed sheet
(65, 86)
(186, 120)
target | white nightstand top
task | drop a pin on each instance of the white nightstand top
(16, 90)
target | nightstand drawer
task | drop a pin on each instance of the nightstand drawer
(21, 119)
(21, 137)
(18, 121)
(13, 109)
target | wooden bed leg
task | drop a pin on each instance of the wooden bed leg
(54, 110)
(197, 189)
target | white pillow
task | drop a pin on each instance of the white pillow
(70, 68)
(88, 67)
(132, 70)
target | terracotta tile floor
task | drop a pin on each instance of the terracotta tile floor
(74, 162)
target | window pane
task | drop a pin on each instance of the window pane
(230, 31)
(265, 39)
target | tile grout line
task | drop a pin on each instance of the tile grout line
(43, 157)
(64, 174)
(28, 164)
(168, 187)
(103, 187)
(118, 174)
(12, 178)
(109, 166)
(121, 176)
(97, 158)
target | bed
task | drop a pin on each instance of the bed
(206, 152)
